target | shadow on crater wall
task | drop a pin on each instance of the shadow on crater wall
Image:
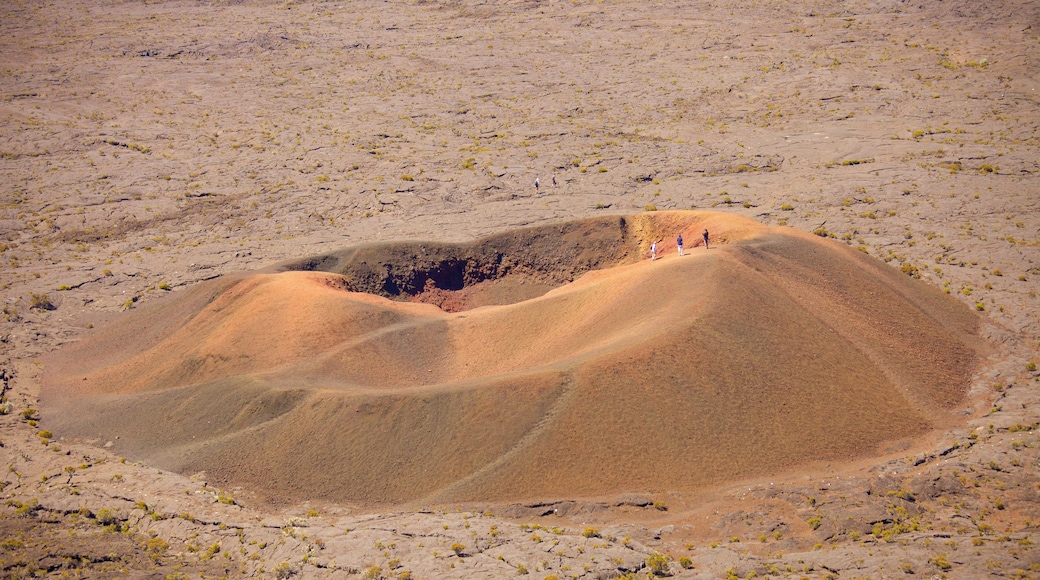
(520, 264)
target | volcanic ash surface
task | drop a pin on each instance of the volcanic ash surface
(541, 363)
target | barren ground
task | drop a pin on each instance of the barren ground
(146, 147)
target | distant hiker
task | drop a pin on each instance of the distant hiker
(705, 236)
(537, 183)
(554, 181)
(678, 242)
(653, 251)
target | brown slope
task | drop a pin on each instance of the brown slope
(773, 349)
(758, 378)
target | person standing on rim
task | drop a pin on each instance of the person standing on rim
(678, 242)
(705, 236)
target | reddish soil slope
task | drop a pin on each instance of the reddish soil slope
(771, 349)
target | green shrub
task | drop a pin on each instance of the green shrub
(155, 547)
(40, 302)
(910, 270)
(658, 563)
(941, 562)
(106, 517)
(225, 498)
(27, 510)
(213, 550)
(283, 570)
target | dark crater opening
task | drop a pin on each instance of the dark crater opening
(500, 269)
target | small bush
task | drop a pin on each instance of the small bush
(941, 562)
(658, 563)
(590, 533)
(155, 547)
(106, 517)
(225, 498)
(213, 550)
(26, 510)
(459, 549)
(283, 570)
(40, 302)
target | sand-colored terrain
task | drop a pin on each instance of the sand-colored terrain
(175, 173)
(773, 349)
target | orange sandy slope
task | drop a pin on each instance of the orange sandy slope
(772, 349)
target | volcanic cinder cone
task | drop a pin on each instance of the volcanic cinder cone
(563, 364)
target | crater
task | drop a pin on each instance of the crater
(501, 269)
(547, 363)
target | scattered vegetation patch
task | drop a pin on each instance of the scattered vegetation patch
(848, 162)
(40, 302)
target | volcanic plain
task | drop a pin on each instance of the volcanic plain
(330, 289)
